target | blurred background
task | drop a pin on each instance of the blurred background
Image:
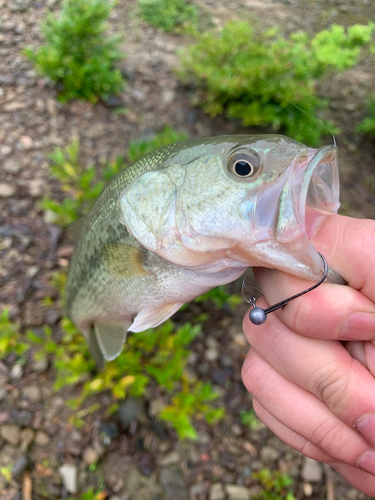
(86, 88)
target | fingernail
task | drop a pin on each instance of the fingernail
(366, 426)
(358, 324)
(367, 462)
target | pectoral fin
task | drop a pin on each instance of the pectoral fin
(153, 316)
(110, 338)
(124, 261)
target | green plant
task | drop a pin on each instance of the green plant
(263, 78)
(91, 494)
(220, 297)
(168, 14)
(10, 338)
(368, 124)
(77, 55)
(249, 419)
(166, 136)
(275, 485)
(81, 184)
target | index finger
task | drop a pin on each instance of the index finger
(332, 311)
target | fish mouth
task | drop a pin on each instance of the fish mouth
(302, 198)
(310, 193)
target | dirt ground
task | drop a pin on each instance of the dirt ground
(137, 461)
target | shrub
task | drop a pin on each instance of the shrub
(263, 78)
(81, 184)
(168, 14)
(77, 55)
(368, 124)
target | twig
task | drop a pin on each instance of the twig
(329, 482)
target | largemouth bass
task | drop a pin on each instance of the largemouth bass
(191, 216)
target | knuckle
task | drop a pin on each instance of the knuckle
(331, 386)
(253, 373)
(329, 437)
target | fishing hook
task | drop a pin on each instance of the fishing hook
(258, 315)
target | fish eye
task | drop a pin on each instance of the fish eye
(243, 164)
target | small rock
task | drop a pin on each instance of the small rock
(168, 96)
(157, 406)
(128, 73)
(12, 167)
(6, 190)
(203, 437)
(110, 429)
(138, 95)
(269, 454)
(173, 483)
(90, 455)
(217, 492)
(311, 471)
(26, 142)
(40, 366)
(68, 474)
(211, 354)
(42, 439)
(240, 340)
(146, 463)
(226, 360)
(113, 101)
(170, 459)
(131, 409)
(11, 434)
(235, 492)
(21, 417)
(19, 5)
(22, 464)
(32, 394)
(5, 149)
(6, 80)
(14, 106)
(308, 489)
(27, 438)
(36, 188)
(3, 393)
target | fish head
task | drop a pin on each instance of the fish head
(234, 202)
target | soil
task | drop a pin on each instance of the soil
(142, 461)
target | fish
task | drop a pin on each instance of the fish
(190, 216)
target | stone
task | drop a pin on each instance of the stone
(32, 394)
(236, 492)
(11, 434)
(113, 101)
(36, 188)
(12, 166)
(90, 455)
(269, 454)
(110, 429)
(42, 439)
(27, 438)
(21, 417)
(216, 492)
(172, 481)
(22, 464)
(14, 106)
(211, 354)
(5, 150)
(170, 459)
(146, 463)
(6, 190)
(131, 409)
(68, 474)
(40, 366)
(3, 394)
(240, 339)
(19, 5)
(311, 471)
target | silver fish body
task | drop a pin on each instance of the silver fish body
(190, 216)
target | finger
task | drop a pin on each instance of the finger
(303, 413)
(363, 352)
(330, 311)
(349, 247)
(321, 367)
(291, 438)
(356, 477)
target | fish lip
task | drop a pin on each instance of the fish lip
(319, 189)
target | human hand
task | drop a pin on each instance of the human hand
(313, 392)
